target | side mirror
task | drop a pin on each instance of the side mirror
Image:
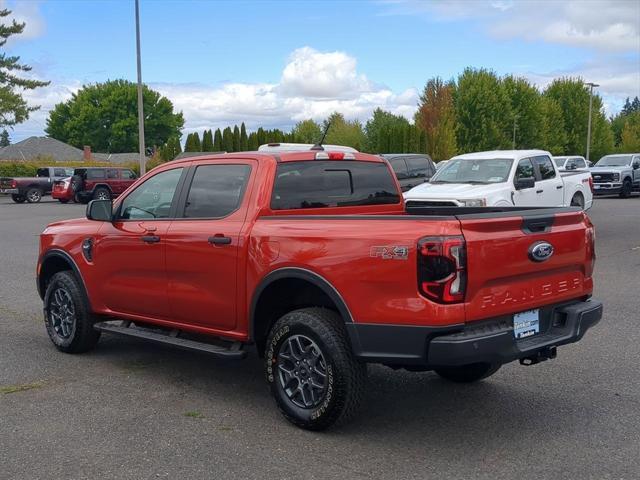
(636, 165)
(526, 182)
(100, 210)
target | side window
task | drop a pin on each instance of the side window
(545, 167)
(59, 172)
(400, 168)
(42, 172)
(128, 174)
(417, 167)
(525, 169)
(216, 190)
(112, 173)
(580, 163)
(153, 198)
(95, 174)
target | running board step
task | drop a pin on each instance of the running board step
(233, 352)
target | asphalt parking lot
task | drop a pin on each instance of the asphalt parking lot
(135, 410)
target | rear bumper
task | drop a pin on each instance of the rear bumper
(9, 191)
(487, 341)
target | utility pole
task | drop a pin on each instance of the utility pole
(591, 86)
(140, 106)
(515, 120)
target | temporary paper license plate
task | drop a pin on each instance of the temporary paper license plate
(526, 323)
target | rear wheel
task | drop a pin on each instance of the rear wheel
(626, 189)
(577, 200)
(67, 316)
(18, 198)
(34, 195)
(468, 373)
(313, 374)
(102, 193)
(63, 200)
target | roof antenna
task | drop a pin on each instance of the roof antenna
(318, 146)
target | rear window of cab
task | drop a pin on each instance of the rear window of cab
(322, 184)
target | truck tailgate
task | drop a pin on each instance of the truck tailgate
(505, 277)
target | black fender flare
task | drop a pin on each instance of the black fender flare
(302, 274)
(55, 252)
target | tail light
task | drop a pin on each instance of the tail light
(442, 268)
(590, 233)
(591, 183)
(14, 184)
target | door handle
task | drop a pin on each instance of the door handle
(539, 191)
(219, 240)
(150, 238)
(558, 187)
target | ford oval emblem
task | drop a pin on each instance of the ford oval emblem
(540, 251)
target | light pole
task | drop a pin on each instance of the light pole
(591, 86)
(140, 107)
(515, 120)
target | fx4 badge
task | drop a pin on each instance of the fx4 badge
(390, 252)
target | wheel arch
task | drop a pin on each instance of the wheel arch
(55, 261)
(101, 185)
(288, 289)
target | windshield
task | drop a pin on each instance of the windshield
(485, 170)
(559, 161)
(614, 161)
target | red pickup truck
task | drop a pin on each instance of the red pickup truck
(312, 257)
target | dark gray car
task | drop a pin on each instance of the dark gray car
(411, 169)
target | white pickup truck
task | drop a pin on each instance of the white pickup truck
(504, 178)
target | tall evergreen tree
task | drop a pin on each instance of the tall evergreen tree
(217, 141)
(227, 140)
(4, 138)
(236, 138)
(14, 109)
(252, 142)
(207, 141)
(244, 140)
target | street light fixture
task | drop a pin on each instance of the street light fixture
(591, 87)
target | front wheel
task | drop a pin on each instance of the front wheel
(313, 374)
(18, 198)
(626, 189)
(468, 373)
(67, 317)
(34, 195)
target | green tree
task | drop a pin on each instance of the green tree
(217, 141)
(207, 141)
(344, 132)
(227, 140)
(105, 116)
(381, 128)
(14, 109)
(307, 131)
(170, 150)
(553, 131)
(618, 122)
(436, 116)
(630, 136)
(193, 143)
(236, 138)
(252, 142)
(483, 112)
(573, 97)
(244, 140)
(527, 112)
(4, 139)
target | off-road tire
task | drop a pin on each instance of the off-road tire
(63, 200)
(101, 193)
(18, 198)
(468, 373)
(627, 188)
(345, 376)
(82, 337)
(34, 195)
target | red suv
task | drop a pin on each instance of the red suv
(96, 183)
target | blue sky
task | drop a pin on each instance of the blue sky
(273, 63)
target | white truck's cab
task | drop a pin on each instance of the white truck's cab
(504, 178)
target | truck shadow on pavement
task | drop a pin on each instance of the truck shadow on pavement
(418, 405)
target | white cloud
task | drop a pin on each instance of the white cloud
(608, 25)
(27, 12)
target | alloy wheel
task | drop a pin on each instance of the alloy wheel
(62, 313)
